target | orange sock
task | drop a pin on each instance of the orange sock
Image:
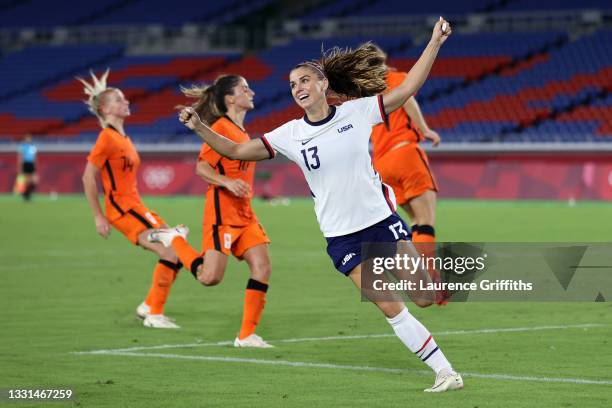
(191, 258)
(254, 301)
(164, 275)
(426, 236)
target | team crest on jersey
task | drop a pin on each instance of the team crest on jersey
(347, 258)
(345, 128)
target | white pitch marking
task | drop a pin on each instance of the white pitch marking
(351, 337)
(354, 368)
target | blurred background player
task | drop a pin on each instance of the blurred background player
(26, 168)
(230, 224)
(115, 159)
(330, 145)
(403, 164)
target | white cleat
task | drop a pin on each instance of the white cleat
(446, 381)
(143, 310)
(252, 341)
(159, 321)
(166, 235)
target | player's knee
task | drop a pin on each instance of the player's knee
(261, 271)
(424, 302)
(210, 279)
(168, 254)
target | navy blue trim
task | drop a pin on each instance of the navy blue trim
(216, 238)
(140, 218)
(268, 147)
(428, 170)
(216, 199)
(322, 121)
(114, 203)
(108, 168)
(429, 355)
(171, 265)
(383, 113)
(427, 230)
(194, 266)
(257, 285)
(235, 124)
(385, 191)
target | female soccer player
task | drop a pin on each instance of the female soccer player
(404, 166)
(116, 160)
(330, 144)
(230, 224)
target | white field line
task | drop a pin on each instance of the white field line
(351, 337)
(355, 368)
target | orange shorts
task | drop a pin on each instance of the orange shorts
(406, 170)
(238, 240)
(136, 220)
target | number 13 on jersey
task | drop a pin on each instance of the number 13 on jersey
(311, 158)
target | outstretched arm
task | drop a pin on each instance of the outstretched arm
(253, 150)
(420, 70)
(414, 111)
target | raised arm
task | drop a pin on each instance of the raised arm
(420, 70)
(253, 150)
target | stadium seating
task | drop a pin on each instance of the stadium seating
(507, 87)
(43, 14)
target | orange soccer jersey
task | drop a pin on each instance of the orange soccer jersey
(222, 207)
(118, 161)
(230, 225)
(400, 127)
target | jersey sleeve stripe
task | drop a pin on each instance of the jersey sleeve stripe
(383, 114)
(385, 190)
(268, 147)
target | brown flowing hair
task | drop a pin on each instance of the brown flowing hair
(352, 73)
(210, 99)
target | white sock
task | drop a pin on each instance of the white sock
(418, 339)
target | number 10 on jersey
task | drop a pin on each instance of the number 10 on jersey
(311, 158)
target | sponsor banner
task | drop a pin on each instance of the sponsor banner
(487, 176)
(477, 271)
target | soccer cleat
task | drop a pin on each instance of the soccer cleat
(252, 341)
(446, 381)
(166, 235)
(143, 310)
(159, 321)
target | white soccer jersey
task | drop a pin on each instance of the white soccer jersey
(333, 154)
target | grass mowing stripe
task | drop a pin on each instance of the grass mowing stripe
(507, 377)
(352, 337)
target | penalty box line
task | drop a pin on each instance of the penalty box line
(348, 337)
(303, 364)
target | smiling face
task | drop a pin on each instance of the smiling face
(114, 104)
(307, 87)
(242, 98)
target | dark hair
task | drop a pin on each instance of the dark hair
(210, 104)
(352, 73)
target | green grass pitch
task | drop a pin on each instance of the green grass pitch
(66, 290)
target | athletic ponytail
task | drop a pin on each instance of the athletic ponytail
(352, 73)
(96, 91)
(210, 99)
